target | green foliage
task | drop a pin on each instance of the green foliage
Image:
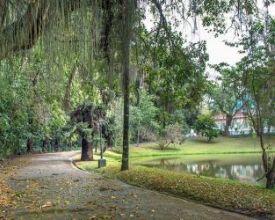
(14, 104)
(143, 121)
(227, 90)
(227, 93)
(86, 39)
(115, 114)
(174, 72)
(205, 125)
(258, 74)
(58, 119)
(178, 117)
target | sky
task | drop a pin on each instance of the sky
(218, 51)
(216, 48)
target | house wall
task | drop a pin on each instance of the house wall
(239, 125)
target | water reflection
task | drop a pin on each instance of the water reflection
(243, 168)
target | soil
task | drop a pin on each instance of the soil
(48, 186)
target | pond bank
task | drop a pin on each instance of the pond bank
(244, 168)
(250, 200)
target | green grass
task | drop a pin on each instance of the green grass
(254, 200)
(201, 146)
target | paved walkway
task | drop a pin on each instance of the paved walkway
(49, 187)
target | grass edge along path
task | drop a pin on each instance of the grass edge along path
(237, 197)
(221, 193)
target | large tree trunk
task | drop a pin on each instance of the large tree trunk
(126, 7)
(125, 152)
(87, 150)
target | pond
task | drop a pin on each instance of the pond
(245, 168)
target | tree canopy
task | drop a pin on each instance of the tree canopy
(58, 54)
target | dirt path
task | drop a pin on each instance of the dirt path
(49, 187)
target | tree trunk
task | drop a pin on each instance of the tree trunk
(138, 133)
(56, 145)
(270, 172)
(44, 145)
(270, 180)
(125, 152)
(228, 122)
(29, 145)
(269, 167)
(87, 150)
(70, 144)
(126, 7)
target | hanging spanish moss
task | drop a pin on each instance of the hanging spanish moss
(58, 26)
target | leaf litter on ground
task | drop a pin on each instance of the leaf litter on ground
(230, 195)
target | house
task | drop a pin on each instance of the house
(240, 123)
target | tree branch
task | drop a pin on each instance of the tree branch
(164, 23)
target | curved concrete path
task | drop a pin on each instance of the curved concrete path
(49, 187)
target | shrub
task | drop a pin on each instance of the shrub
(173, 135)
(206, 126)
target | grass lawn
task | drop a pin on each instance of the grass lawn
(201, 146)
(254, 200)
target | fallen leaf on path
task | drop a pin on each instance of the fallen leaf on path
(133, 195)
(6, 195)
(47, 204)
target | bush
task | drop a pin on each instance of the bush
(206, 126)
(174, 134)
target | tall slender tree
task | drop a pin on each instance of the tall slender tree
(259, 79)
(127, 15)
